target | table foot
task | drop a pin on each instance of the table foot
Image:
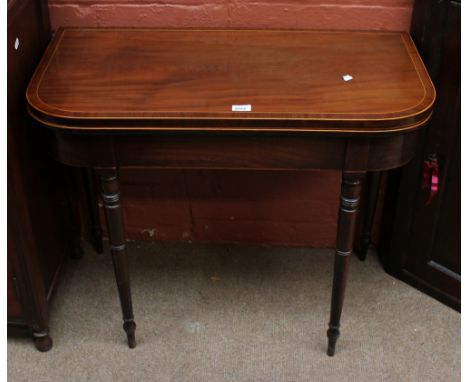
(129, 327)
(332, 333)
(42, 341)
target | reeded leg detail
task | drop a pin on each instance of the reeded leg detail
(111, 199)
(42, 340)
(349, 202)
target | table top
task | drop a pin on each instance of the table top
(251, 80)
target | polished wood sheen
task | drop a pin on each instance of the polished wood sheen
(116, 98)
(143, 79)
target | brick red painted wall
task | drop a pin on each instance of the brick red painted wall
(336, 14)
(229, 206)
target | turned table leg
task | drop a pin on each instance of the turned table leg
(111, 200)
(349, 201)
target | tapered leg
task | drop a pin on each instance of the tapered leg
(349, 202)
(364, 240)
(111, 199)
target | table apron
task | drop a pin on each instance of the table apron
(222, 151)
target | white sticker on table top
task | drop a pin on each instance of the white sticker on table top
(241, 107)
(347, 77)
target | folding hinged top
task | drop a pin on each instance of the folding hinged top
(224, 80)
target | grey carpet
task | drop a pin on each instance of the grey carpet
(219, 313)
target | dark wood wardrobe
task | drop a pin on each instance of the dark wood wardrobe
(422, 244)
(41, 229)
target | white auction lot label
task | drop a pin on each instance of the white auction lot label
(241, 107)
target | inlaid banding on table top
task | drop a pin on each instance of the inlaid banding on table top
(103, 78)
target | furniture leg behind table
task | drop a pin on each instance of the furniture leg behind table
(111, 198)
(93, 209)
(374, 180)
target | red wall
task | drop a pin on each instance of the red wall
(320, 14)
(228, 206)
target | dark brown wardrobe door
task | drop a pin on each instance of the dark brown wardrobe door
(422, 246)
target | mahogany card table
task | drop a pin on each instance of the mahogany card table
(231, 99)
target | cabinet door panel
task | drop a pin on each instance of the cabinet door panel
(423, 247)
(39, 237)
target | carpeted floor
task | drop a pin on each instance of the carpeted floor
(219, 313)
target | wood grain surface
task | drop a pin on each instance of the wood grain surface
(148, 79)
